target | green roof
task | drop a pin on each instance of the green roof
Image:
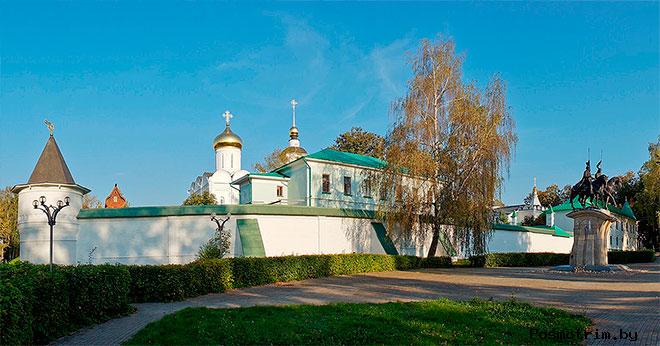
(269, 174)
(542, 229)
(625, 210)
(238, 209)
(348, 158)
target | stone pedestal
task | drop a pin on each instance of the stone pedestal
(590, 233)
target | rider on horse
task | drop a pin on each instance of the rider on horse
(586, 177)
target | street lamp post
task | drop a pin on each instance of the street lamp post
(220, 222)
(51, 212)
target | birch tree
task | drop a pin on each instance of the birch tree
(446, 151)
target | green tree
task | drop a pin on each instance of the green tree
(646, 203)
(534, 221)
(205, 198)
(446, 153)
(551, 196)
(271, 161)
(359, 141)
(9, 237)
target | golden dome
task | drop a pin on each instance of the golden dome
(293, 153)
(227, 139)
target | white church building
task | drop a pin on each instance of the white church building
(319, 203)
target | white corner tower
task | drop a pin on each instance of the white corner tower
(50, 181)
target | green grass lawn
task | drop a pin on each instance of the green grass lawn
(423, 323)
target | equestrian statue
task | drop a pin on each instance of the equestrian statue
(598, 189)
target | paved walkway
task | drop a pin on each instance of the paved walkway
(627, 301)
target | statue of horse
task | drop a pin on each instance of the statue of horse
(605, 193)
(599, 187)
(582, 191)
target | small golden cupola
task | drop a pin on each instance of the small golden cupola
(294, 150)
(227, 138)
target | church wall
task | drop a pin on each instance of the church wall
(228, 159)
(336, 197)
(264, 191)
(297, 186)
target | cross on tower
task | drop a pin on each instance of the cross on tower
(227, 116)
(294, 103)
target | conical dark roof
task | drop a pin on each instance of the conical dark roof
(51, 167)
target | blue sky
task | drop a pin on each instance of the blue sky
(136, 90)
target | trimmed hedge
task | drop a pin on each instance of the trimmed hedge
(540, 259)
(519, 259)
(172, 282)
(163, 283)
(623, 257)
(37, 306)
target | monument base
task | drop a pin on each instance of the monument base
(591, 230)
(590, 268)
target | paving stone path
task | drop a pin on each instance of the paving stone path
(627, 301)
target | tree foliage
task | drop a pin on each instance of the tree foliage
(271, 161)
(359, 141)
(9, 237)
(534, 221)
(205, 198)
(452, 142)
(91, 202)
(646, 201)
(551, 196)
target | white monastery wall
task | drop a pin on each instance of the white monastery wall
(511, 241)
(176, 239)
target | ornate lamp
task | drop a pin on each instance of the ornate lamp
(51, 213)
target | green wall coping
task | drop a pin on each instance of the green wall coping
(239, 209)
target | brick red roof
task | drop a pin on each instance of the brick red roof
(115, 199)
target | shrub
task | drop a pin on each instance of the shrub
(15, 321)
(97, 292)
(521, 259)
(217, 247)
(623, 257)
(163, 283)
(251, 271)
(56, 303)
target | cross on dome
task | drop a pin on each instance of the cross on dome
(294, 103)
(227, 116)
